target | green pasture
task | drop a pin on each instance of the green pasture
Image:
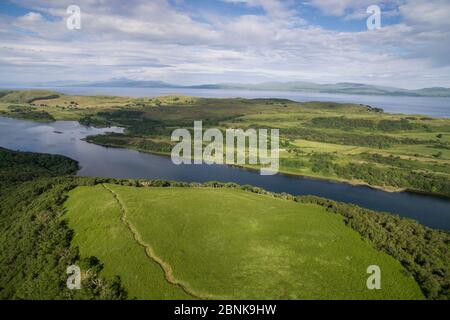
(226, 243)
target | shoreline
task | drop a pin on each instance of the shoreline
(290, 174)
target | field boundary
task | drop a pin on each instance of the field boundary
(166, 268)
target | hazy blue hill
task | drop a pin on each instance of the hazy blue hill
(343, 88)
(293, 86)
(436, 91)
(123, 82)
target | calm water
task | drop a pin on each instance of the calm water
(63, 137)
(432, 106)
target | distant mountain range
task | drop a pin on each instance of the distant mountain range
(294, 86)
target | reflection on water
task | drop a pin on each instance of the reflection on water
(122, 163)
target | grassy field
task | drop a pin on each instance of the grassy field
(101, 233)
(345, 142)
(226, 243)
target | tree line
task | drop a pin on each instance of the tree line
(379, 176)
(384, 125)
(351, 139)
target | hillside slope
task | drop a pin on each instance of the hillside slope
(225, 243)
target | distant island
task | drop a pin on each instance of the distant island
(293, 86)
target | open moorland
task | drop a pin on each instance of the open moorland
(353, 143)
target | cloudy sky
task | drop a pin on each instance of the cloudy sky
(212, 41)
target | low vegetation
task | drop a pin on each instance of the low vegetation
(28, 113)
(349, 124)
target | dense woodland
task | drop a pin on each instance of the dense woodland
(18, 166)
(130, 141)
(34, 240)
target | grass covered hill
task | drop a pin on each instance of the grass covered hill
(214, 243)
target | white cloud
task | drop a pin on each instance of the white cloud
(274, 8)
(339, 7)
(427, 14)
(153, 40)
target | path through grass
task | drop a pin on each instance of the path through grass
(226, 243)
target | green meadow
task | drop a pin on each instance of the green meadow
(207, 243)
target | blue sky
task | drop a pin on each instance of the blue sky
(308, 12)
(213, 41)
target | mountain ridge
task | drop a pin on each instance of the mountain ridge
(292, 86)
